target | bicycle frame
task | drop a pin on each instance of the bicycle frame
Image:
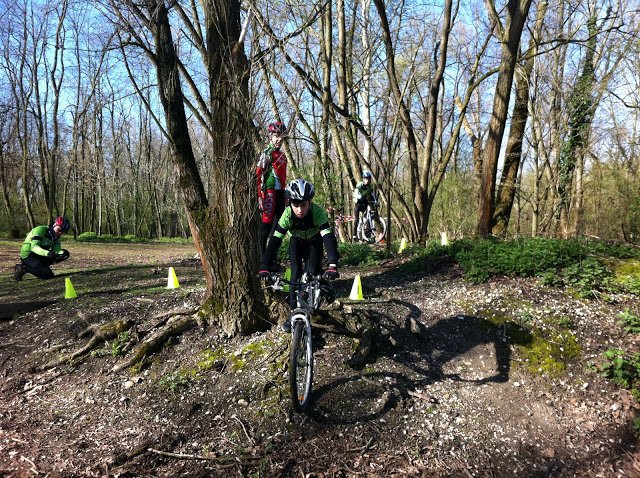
(372, 228)
(308, 293)
(308, 296)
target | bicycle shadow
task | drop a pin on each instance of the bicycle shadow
(418, 356)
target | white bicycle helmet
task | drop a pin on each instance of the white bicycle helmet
(300, 190)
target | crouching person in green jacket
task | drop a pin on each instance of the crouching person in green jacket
(41, 249)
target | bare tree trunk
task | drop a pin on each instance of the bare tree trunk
(403, 109)
(578, 205)
(21, 96)
(365, 91)
(513, 153)
(517, 11)
(56, 82)
(325, 55)
(4, 117)
(432, 116)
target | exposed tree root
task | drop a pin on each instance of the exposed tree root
(358, 324)
(222, 462)
(162, 318)
(100, 334)
(174, 326)
(278, 304)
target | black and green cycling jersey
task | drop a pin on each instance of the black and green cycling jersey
(316, 221)
(364, 191)
(313, 225)
(40, 241)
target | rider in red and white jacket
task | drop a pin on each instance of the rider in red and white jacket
(271, 174)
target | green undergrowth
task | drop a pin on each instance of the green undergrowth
(589, 268)
(130, 239)
(623, 367)
(629, 322)
(362, 254)
(118, 344)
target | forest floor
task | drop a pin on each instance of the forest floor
(493, 379)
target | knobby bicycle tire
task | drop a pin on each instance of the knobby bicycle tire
(300, 367)
(370, 235)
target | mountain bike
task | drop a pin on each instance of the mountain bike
(372, 227)
(310, 292)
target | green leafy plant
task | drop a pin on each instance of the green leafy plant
(361, 254)
(587, 277)
(180, 379)
(636, 425)
(118, 344)
(632, 285)
(630, 322)
(623, 369)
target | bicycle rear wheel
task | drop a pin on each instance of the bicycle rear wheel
(300, 367)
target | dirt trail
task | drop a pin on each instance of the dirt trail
(466, 380)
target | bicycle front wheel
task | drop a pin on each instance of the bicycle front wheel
(301, 367)
(373, 230)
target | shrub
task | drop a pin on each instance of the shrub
(623, 369)
(575, 263)
(587, 277)
(428, 259)
(129, 238)
(361, 254)
(87, 237)
(630, 322)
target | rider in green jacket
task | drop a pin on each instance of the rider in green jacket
(364, 195)
(308, 225)
(41, 249)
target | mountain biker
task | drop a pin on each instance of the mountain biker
(42, 248)
(308, 226)
(363, 195)
(271, 173)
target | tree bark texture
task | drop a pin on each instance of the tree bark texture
(581, 109)
(517, 11)
(223, 227)
(513, 153)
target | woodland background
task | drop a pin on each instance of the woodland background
(407, 89)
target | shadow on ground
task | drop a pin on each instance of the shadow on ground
(418, 355)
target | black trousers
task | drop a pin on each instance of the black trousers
(39, 266)
(361, 207)
(304, 252)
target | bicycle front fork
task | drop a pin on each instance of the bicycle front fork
(300, 315)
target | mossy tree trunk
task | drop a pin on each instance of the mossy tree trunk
(581, 108)
(222, 225)
(232, 240)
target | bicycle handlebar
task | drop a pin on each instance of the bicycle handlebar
(276, 280)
